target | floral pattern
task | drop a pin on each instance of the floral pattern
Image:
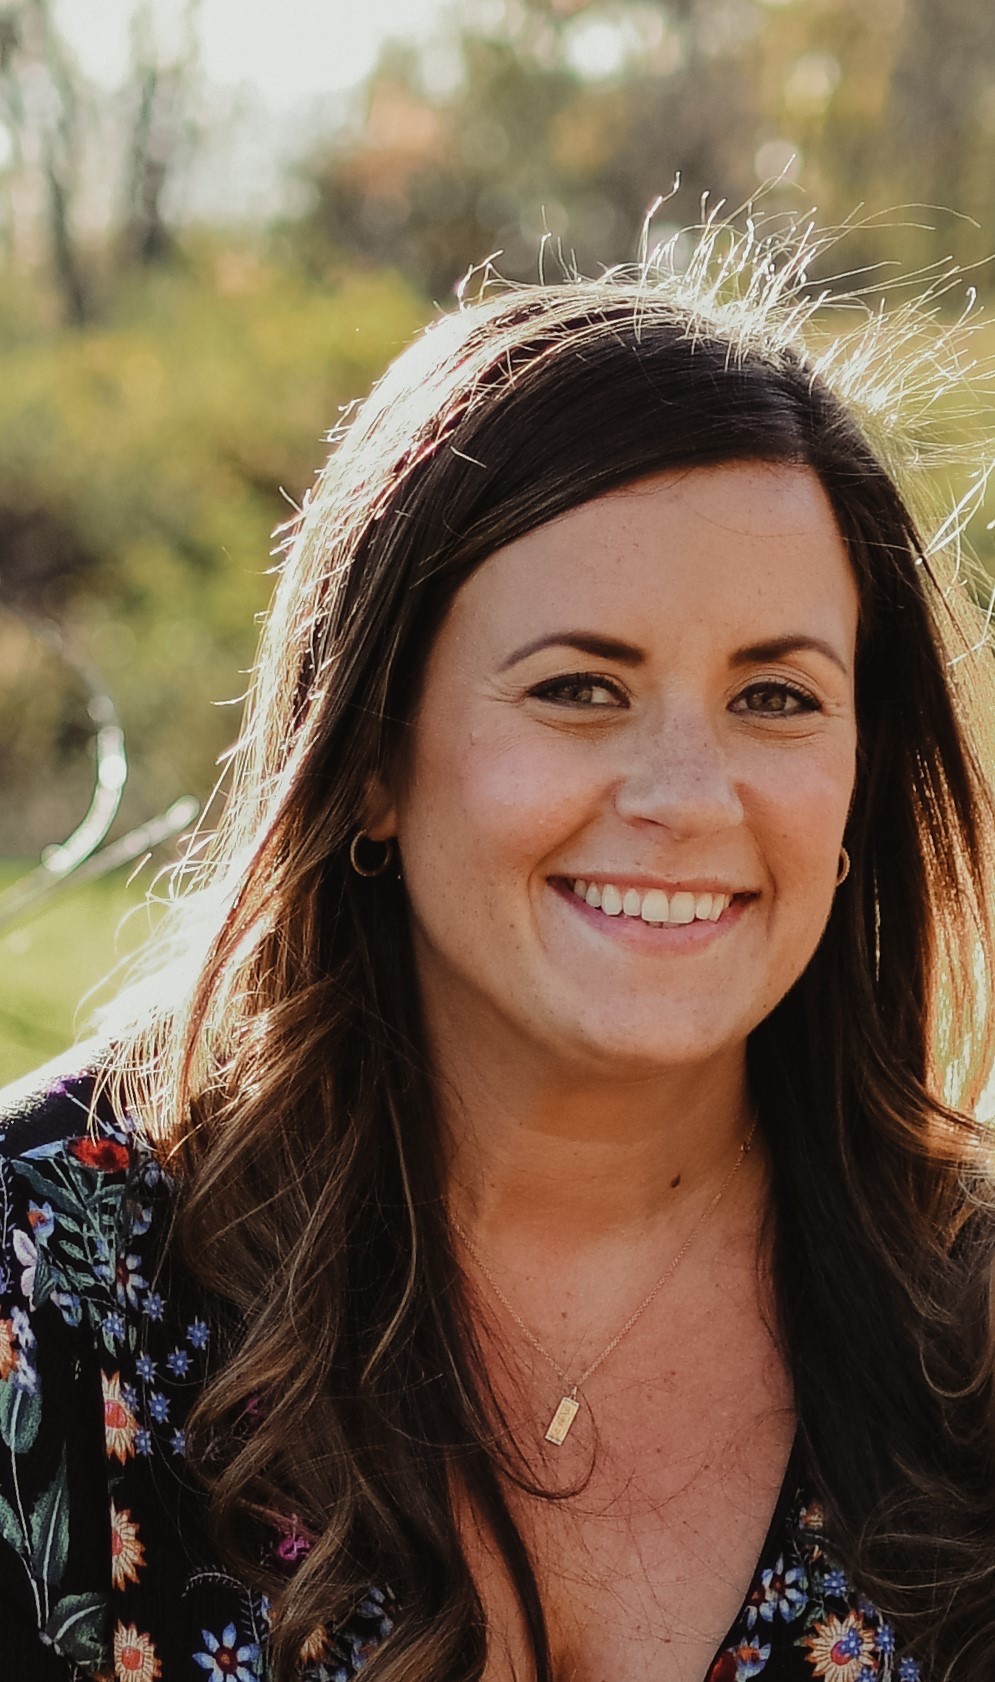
(104, 1573)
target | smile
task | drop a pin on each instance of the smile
(652, 905)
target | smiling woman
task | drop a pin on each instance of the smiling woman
(549, 1237)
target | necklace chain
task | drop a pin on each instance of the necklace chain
(569, 1401)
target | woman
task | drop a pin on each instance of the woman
(550, 1241)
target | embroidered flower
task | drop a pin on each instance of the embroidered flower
(224, 1661)
(908, 1670)
(134, 1656)
(836, 1583)
(114, 1326)
(315, 1647)
(159, 1407)
(178, 1442)
(294, 1542)
(41, 1219)
(782, 1591)
(120, 1423)
(9, 1356)
(178, 1362)
(27, 1255)
(128, 1281)
(127, 1550)
(145, 1367)
(154, 1306)
(839, 1649)
(141, 1221)
(143, 1440)
(738, 1664)
(23, 1375)
(198, 1334)
(104, 1155)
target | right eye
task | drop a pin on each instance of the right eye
(580, 689)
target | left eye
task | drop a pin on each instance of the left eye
(776, 700)
(581, 689)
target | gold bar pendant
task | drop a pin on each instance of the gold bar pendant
(562, 1420)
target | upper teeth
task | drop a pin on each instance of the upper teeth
(653, 905)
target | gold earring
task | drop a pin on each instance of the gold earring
(844, 869)
(378, 869)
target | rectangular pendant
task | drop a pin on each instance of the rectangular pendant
(562, 1420)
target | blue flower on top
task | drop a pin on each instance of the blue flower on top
(154, 1306)
(159, 1406)
(114, 1325)
(143, 1440)
(141, 1220)
(224, 1660)
(908, 1670)
(885, 1639)
(836, 1583)
(198, 1334)
(178, 1363)
(145, 1368)
(178, 1442)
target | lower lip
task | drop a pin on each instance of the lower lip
(654, 937)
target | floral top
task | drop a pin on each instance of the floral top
(104, 1572)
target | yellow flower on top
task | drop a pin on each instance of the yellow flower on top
(8, 1348)
(120, 1423)
(840, 1648)
(134, 1656)
(127, 1551)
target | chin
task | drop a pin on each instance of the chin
(633, 1055)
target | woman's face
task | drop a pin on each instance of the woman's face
(630, 770)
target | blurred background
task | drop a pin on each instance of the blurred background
(218, 223)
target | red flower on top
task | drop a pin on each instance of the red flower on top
(106, 1155)
(724, 1669)
(294, 1543)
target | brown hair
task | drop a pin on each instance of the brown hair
(293, 1088)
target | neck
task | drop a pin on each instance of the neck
(542, 1155)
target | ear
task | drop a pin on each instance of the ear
(379, 816)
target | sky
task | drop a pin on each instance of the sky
(277, 73)
(286, 50)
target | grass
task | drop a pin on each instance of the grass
(54, 958)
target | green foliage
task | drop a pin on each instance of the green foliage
(144, 464)
(164, 394)
(51, 962)
(574, 115)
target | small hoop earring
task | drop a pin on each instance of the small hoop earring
(360, 838)
(844, 869)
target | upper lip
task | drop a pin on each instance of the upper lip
(668, 884)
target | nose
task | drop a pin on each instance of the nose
(678, 775)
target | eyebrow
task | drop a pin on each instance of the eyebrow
(629, 654)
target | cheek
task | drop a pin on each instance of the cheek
(801, 809)
(491, 803)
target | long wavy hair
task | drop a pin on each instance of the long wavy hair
(291, 1089)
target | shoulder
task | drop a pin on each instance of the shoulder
(79, 1183)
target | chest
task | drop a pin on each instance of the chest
(675, 1466)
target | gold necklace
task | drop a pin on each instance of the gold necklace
(569, 1403)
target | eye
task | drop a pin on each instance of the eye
(580, 689)
(774, 698)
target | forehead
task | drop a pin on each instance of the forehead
(745, 546)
